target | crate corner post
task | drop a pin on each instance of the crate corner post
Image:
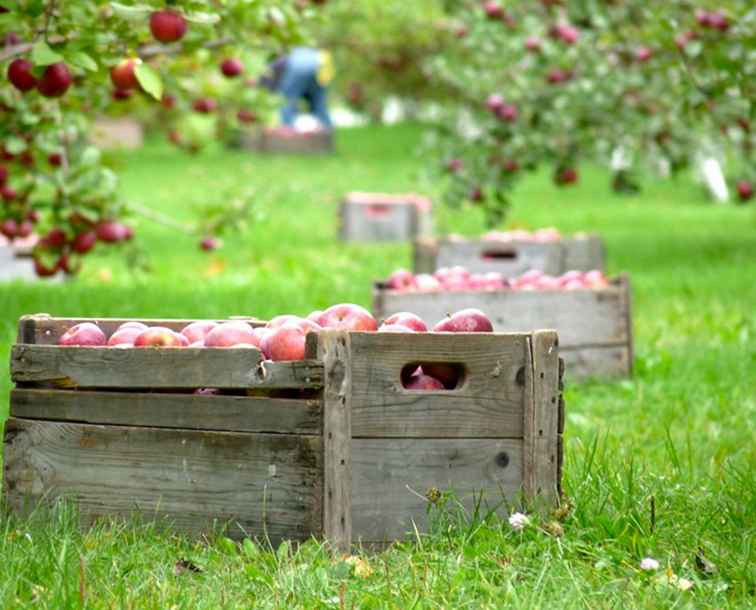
(541, 436)
(334, 352)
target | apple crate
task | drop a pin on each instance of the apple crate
(15, 264)
(330, 446)
(594, 325)
(277, 141)
(365, 217)
(582, 252)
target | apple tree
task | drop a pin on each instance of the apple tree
(65, 62)
(555, 83)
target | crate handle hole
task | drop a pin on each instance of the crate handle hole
(451, 375)
(498, 254)
(378, 209)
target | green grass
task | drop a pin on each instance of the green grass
(679, 435)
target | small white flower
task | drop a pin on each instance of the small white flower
(684, 584)
(649, 564)
(518, 521)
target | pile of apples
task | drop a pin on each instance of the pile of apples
(281, 339)
(459, 279)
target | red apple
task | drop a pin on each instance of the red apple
(197, 331)
(401, 279)
(347, 316)
(55, 159)
(208, 244)
(426, 282)
(84, 242)
(124, 337)
(565, 32)
(9, 228)
(566, 175)
(120, 95)
(44, 270)
(20, 75)
(205, 105)
(643, 54)
(405, 318)
(465, 321)
(286, 342)
(424, 383)
(123, 76)
(3, 174)
(315, 315)
(55, 238)
(229, 334)
(55, 81)
(157, 336)
(138, 325)
(284, 319)
(8, 193)
(446, 373)
(167, 26)
(246, 116)
(533, 44)
(745, 190)
(507, 112)
(454, 165)
(494, 103)
(493, 10)
(111, 232)
(232, 67)
(25, 229)
(85, 333)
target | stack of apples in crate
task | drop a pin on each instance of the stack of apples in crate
(460, 279)
(284, 337)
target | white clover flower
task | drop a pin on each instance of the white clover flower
(649, 564)
(518, 521)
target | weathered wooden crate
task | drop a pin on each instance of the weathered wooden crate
(117, 132)
(510, 258)
(365, 217)
(331, 446)
(275, 141)
(14, 265)
(594, 325)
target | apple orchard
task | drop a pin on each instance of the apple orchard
(65, 62)
(520, 85)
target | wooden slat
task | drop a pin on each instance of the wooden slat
(333, 350)
(541, 420)
(582, 317)
(263, 485)
(584, 253)
(624, 280)
(399, 222)
(488, 404)
(525, 255)
(599, 362)
(43, 329)
(425, 251)
(187, 411)
(391, 476)
(94, 367)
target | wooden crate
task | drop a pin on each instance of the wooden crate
(365, 217)
(331, 446)
(510, 258)
(594, 325)
(14, 265)
(272, 141)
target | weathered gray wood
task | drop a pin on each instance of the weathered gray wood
(602, 362)
(101, 367)
(261, 485)
(14, 267)
(361, 222)
(488, 403)
(584, 253)
(391, 477)
(188, 411)
(333, 351)
(511, 258)
(267, 141)
(541, 421)
(624, 282)
(43, 329)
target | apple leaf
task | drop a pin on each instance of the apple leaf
(83, 60)
(43, 55)
(149, 80)
(130, 12)
(203, 18)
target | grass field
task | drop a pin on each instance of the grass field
(680, 435)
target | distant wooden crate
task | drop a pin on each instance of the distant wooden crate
(279, 141)
(15, 264)
(331, 446)
(594, 325)
(581, 253)
(365, 217)
(124, 132)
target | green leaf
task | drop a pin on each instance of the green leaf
(81, 59)
(43, 55)
(149, 80)
(133, 12)
(203, 18)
